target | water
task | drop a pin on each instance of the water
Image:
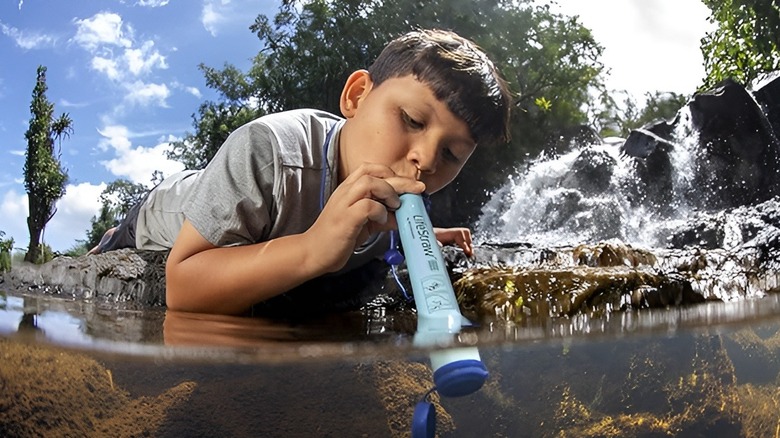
(94, 367)
(592, 194)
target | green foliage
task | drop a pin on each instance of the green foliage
(121, 195)
(6, 246)
(619, 120)
(44, 177)
(216, 120)
(116, 200)
(78, 249)
(746, 42)
(106, 219)
(310, 47)
(45, 254)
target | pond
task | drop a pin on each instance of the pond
(76, 368)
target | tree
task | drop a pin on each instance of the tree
(121, 195)
(216, 119)
(44, 176)
(310, 47)
(101, 223)
(6, 246)
(746, 42)
(619, 120)
(116, 200)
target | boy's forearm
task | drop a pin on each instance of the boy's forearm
(229, 280)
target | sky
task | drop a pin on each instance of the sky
(126, 72)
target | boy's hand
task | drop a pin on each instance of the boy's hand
(359, 207)
(457, 236)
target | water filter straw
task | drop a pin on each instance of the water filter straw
(456, 371)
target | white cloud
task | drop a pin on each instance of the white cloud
(102, 29)
(27, 40)
(14, 205)
(152, 3)
(18, 153)
(190, 90)
(210, 18)
(106, 66)
(71, 221)
(123, 60)
(194, 91)
(116, 137)
(143, 94)
(68, 104)
(215, 14)
(136, 163)
(14, 210)
(142, 60)
(74, 211)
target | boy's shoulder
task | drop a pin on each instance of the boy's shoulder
(298, 135)
(298, 119)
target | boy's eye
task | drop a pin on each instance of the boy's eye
(410, 122)
(449, 156)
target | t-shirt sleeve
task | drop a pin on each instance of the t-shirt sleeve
(232, 202)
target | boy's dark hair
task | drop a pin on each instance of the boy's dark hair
(460, 75)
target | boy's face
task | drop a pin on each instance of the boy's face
(402, 125)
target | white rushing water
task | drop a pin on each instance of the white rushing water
(550, 204)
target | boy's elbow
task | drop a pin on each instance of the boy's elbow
(173, 286)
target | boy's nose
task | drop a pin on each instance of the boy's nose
(424, 159)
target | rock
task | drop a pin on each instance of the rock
(642, 143)
(590, 173)
(122, 275)
(739, 154)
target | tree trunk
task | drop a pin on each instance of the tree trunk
(34, 249)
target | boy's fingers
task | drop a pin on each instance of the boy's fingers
(399, 183)
(383, 190)
(405, 185)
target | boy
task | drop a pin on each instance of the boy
(296, 195)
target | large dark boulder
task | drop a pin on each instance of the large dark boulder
(739, 153)
(652, 165)
(767, 94)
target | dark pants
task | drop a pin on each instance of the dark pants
(124, 234)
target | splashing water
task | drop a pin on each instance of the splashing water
(593, 194)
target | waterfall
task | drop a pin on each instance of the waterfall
(595, 193)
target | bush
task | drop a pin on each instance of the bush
(6, 245)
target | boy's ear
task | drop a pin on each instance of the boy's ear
(356, 88)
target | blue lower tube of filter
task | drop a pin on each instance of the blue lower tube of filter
(456, 371)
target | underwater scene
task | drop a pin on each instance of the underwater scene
(74, 368)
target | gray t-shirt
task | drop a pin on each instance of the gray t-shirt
(266, 181)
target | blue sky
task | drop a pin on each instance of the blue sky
(126, 73)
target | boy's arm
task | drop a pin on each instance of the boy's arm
(201, 277)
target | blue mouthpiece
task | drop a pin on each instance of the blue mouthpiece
(460, 378)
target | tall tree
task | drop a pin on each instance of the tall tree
(44, 176)
(746, 42)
